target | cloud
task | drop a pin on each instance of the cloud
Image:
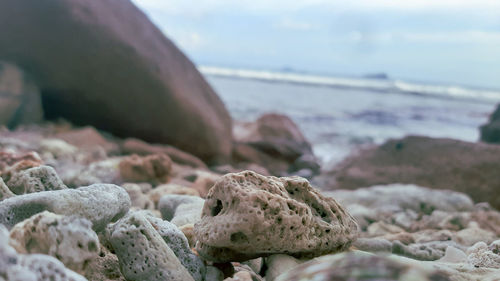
(197, 6)
(431, 37)
(290, 24)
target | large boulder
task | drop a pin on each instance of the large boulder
(490, 132)
(19, 97)
(104, 63)
(472, 168)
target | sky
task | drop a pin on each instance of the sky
(440, 41)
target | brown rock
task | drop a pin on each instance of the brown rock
(247, 215)
(135, 146)
(151, 168)
(490, 132)
(108, 56)
(87, 138)
(19, 97)
(277, 142)
(466, 167)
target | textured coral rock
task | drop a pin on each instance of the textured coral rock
(104, 267)
(137, 197)
(247, 215)
(169, 204)
(482, 255)
(151, 168)
(42, 178)
(87, 138)
(142, 252)
(69, 239)
(162, 96)
(34, 267)
(164, 189)
(99, 203)
(177, 241)
(5, 191)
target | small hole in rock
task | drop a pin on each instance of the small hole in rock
(217, 208)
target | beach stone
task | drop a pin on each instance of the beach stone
(142, 252)
(213, 274)
(429, 251)
(245, 153)
(20, 101)
(359, 265)
(164, 189)
(135, 146)
(188, 230)
(490, 132)
(5, 191)
(69, 239)
(204, 181)
(36, 179)
(58, 149)
(104, 171)
(480, 255)
(474, 234)
(487, 220)
(187, 213)
(104, 267)
(255, 264)
(169, 203)
(275, 134)
(87, 138)
(373, 245)
(240, 276)
(394, 198)
(138, 199)
(163, 98)
(176, 241)
(278, 264)
(471, 168)
(99, 203)
(245, 272)
(453, 255)
(247, 215)
(151, 168)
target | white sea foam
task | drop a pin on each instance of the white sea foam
(357, 83)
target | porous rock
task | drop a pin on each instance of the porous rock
(151, 168)
(105, 267)
(138, 199)
(247, 215)
(69, 239)
(177, 241)
(99, 203)
(5, 191)
(169, 203)
(164, 189)
(482, 255)
(36, 179)
(34, 267)
(142, 252)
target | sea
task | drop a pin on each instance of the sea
(340, 115)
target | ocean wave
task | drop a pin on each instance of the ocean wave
(379, 85)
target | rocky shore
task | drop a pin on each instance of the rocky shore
(119, 162)
(77, 205)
